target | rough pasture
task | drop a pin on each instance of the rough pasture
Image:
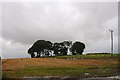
(57, 67)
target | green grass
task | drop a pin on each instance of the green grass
(90, 56)
(70, 71)
(73, 71)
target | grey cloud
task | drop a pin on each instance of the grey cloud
(87, 22)
(0, 29)
(14, 50)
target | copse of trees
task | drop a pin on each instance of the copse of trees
(44, 48)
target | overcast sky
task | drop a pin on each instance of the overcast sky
(88, 22)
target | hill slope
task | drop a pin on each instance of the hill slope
(22, 67)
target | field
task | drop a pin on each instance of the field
(73, 66)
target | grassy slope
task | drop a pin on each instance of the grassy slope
(61, 66)
(90, 56)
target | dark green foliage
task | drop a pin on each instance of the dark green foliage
(65, 46)
(56, 48)
(32, 55)
(44, 48)
(78, 47)
(31, 52)
(40, 47)
(61, 48)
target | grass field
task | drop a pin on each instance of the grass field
(74, 66)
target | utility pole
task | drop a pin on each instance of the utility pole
(111, 31)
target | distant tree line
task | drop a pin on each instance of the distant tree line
(42, 48)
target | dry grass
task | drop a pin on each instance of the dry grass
(16, 64)
(60, 66)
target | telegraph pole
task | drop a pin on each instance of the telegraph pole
(111, 31)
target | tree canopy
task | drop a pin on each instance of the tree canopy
(44, 48)
(78, 47)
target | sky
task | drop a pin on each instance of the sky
(23, 23)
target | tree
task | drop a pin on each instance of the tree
(31, 52)
(37, 47)
(48, 47)
(56, 48)
(67, 46)
(41, 47)
(44, 48)
(62, 48)
(32, 55)
(78, 47)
